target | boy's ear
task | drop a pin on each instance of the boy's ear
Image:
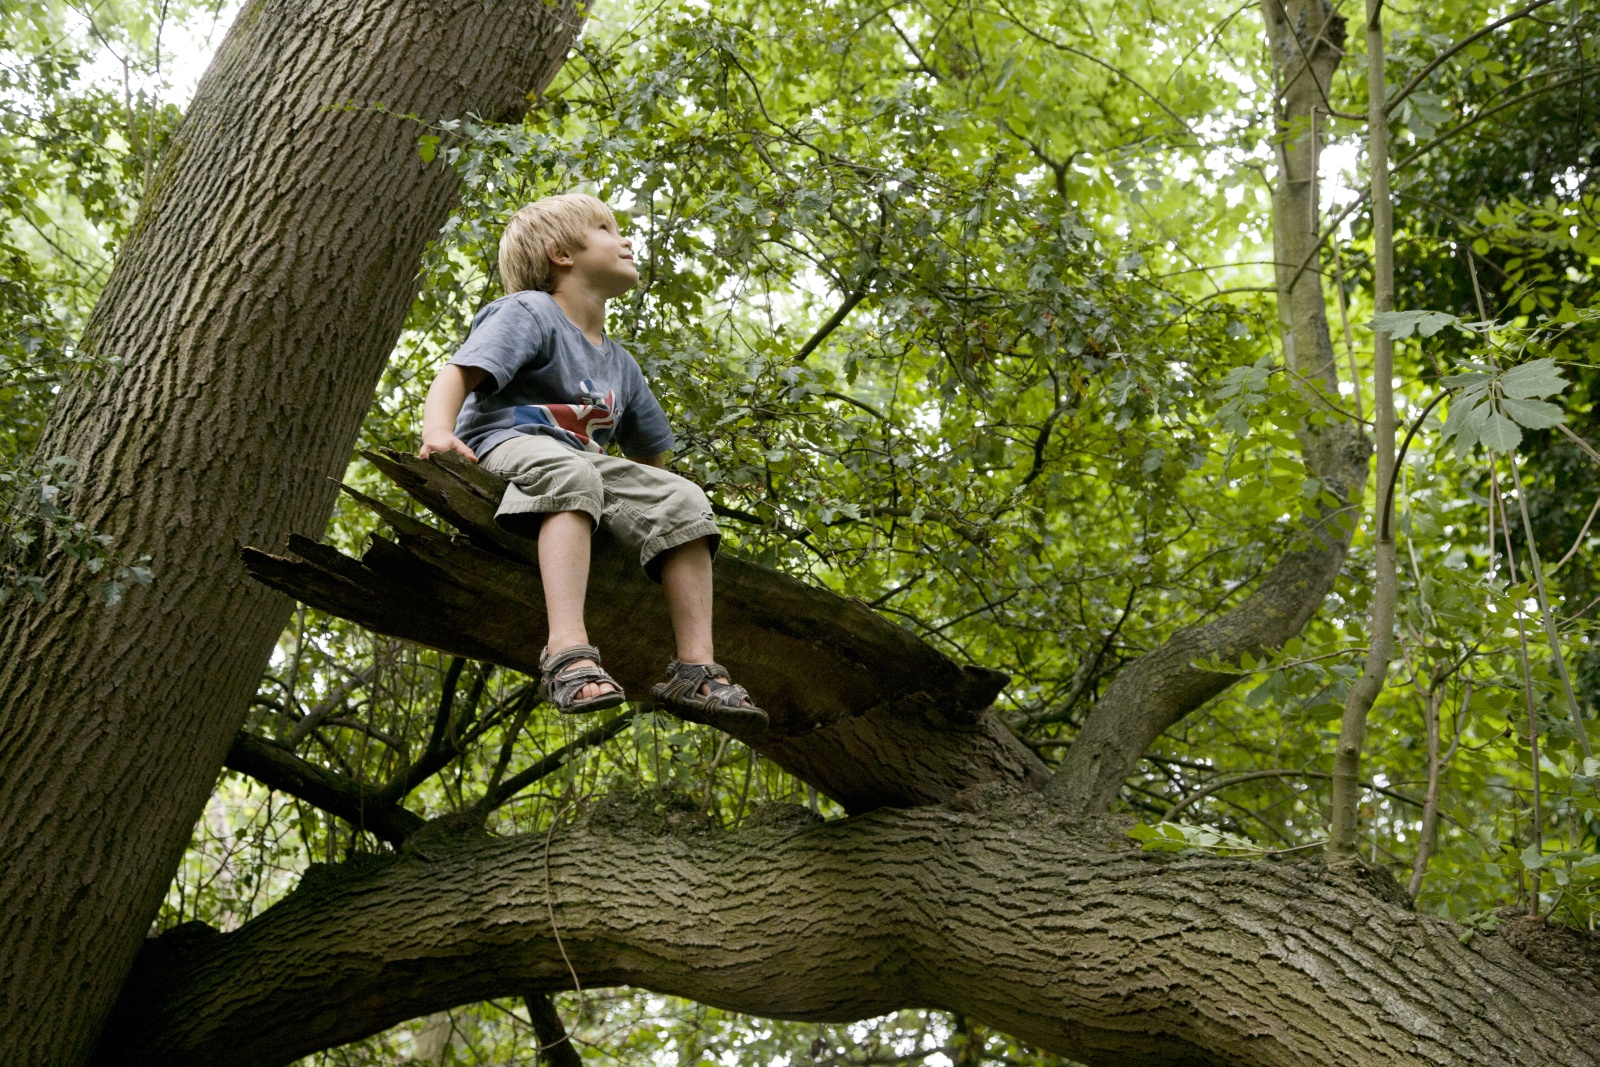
(560, 259)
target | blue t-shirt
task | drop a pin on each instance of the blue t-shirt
(546, 377)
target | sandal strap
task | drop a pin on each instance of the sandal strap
(566, 684)
(685, 680)
(561, 679)
(552, 663)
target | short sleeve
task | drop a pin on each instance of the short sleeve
(642, 430)
(506, 337)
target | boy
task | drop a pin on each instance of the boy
(536, 394)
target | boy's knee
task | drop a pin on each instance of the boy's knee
(690, 499)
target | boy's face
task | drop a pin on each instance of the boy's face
(604, 265)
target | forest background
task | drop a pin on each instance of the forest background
(967, 311)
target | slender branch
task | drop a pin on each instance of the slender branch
(1465, 42)
(1388, 500)
(334, 702)
(1573, 551)
(1480, 116)
(599, 735)
(1548, 617)
(832, 324)
(1040, 442)
(1436, 764)
(1364, 693)
(1022, 25)
(447, 700)
(555, 1046)
(1282, 772)
(862, 404)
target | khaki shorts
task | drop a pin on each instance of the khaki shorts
(648, 509)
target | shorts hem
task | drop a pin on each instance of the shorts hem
(651, 552)
(548, 504)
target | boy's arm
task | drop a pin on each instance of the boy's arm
(445, 397)
(658, 460)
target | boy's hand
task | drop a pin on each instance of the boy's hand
(446, 443)
(445, 397)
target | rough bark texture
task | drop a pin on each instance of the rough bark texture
(861, 709)
(1002, 912)
(1155, 691)
(253, 307)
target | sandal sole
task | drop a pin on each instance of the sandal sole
(586, 707)
(748, 723)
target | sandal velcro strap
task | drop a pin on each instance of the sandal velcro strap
(552, 663)
(561, 686)
(725, 706)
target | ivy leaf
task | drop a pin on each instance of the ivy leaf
(1534, 414)
(1541, 377)
(1402, 324)
(1500, 434)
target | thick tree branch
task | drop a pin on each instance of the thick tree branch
(1004, 913)
(361, 804)
(862, 709)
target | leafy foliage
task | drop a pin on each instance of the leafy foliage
(959, 309)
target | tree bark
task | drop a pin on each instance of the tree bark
(1054, 931)
(1157, 690)
(252, 307)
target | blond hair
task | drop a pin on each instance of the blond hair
(554, 226)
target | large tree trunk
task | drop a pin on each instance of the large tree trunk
(1050, 930)
(263, 286)
(1157, 690)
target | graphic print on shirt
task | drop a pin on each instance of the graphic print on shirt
(587, 426)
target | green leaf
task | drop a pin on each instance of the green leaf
(1401, 324)
(1164, 837)
(1534, 414)
(1540, 377)
(1465, 421)
(1500, 434)
(427, 147)
(1531, 858)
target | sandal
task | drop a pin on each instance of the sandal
(560, 687)
(726, 707)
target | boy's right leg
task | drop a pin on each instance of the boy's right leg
(555, 495)
(564, 569)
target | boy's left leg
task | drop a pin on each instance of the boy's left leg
(668, 520)
(686, 580)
